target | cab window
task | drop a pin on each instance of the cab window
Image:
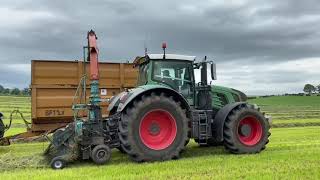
(143, 74)
(175, 74)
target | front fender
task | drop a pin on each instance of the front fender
(220, 118)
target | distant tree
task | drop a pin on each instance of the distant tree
(309, 88)
(15, 91)
(1, 89)
(26, 92)
(6, 91)
(318, 88)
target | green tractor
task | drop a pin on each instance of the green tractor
(155, 120)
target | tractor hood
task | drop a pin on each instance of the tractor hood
(242, 96)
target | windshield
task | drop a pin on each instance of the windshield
(173, 73)
(143, 74)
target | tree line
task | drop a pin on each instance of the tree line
(309, 89)
(15, 91)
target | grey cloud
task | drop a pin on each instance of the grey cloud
(292, 8)
(12, 78)
(224, 32)
(256, 32)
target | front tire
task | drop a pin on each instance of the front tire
(246, 131)
(58, 163)
(155, 128)
(100, 154)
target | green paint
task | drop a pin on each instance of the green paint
(177, 75)
(94, 98)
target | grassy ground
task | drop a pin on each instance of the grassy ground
(293, 153)
(8, 104)
(291, 110)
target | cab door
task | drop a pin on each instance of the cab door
(186, 86)
(176, 74)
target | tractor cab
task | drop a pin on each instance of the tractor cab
(177, 72)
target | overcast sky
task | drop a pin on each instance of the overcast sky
(260, 47)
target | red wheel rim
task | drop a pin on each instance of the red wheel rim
(158, 129)
(249, 131)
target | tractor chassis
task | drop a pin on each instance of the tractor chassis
(83, 140)
(201, 125)
(68, 144)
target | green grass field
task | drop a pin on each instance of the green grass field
(8, 104)
(293, 153)
(291, 110)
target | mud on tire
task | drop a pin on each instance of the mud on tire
(139, 129)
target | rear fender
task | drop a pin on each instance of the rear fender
(133, 94)
(220, 118)
(114, 103)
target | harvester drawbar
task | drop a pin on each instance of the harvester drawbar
(155, 120)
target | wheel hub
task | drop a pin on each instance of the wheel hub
(58, 164)
(158, 129)
(154, 129)
(249, 131)
(101, 154)
(245, 130)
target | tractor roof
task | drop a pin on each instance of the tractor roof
(172, 56)
(141, 60)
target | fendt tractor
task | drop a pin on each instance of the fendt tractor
(155, 120)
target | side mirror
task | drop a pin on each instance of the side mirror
(213, 71)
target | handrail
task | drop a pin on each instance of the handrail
(81, 86)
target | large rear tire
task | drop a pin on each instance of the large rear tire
(246, 130)
(155, 128)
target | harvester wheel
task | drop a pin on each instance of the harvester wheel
(155, 128)
(101, 154)
(245, 131)
(57, 163)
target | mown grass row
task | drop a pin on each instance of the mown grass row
(291, 111)
(10, 103)
(288, 101)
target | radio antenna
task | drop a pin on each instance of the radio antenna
(145, 48)
(145, 44)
